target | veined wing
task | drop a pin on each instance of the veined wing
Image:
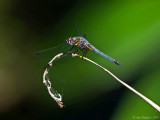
(48, 53)
(61, 46)
(91, 47)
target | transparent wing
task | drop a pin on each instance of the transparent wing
(52, 48)
(50, 52)
(78, 31)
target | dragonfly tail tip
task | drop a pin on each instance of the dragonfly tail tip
(117, 63)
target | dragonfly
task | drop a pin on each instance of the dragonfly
(82, 44)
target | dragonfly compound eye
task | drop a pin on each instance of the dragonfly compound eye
(69, 39)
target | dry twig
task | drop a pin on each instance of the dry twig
(58, 98)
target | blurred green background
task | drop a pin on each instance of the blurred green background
(127, 30)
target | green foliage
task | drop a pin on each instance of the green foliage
(123, 29)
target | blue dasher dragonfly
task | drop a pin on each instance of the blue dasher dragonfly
(82, 44)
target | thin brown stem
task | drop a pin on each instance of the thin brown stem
(123, 83)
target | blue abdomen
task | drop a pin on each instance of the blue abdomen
(103, 55)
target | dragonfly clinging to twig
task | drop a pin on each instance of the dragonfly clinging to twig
(81, 43)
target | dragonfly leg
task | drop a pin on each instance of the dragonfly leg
(84, 52)
(71, 48)
(75, 50)
(69, 51)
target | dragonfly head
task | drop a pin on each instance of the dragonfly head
(68, 40)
